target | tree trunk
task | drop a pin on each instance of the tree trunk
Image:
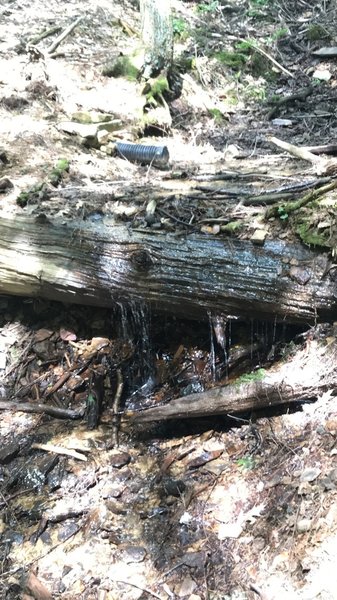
(191, 275)
(157, 35)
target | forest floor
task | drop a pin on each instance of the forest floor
(207, 509)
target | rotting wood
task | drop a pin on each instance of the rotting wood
(303, 376)
(191, 275)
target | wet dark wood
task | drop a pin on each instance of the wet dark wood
(305, 375)
(190, 275)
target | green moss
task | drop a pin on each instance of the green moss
(155, 90)
(232, 226)
(123, 66)
(217, 115)
(235, 60)
(30, 196)
(251, 377)
(317, 32)
(36, 192)
(61, 167)
(310, 236)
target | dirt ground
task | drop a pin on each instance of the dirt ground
(213, 509)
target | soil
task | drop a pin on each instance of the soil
(92, 508)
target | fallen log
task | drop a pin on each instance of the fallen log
(191, 275)
(303, 376)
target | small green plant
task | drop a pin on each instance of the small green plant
(317, 32)
(281, 32)
(179, 27)
(217, 115)
(61, 167)
(251, 377)
(247, 462)
(207, 7)
(282, 213)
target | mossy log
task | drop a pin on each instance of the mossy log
(189, 275)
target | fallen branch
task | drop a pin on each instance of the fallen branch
(53, 411)
(323, 166)
(304, 376)
(63, 36)
(291, 207)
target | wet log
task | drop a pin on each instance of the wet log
(305, 375)
(191, 275)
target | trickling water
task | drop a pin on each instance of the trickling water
(133, 323)
(218, 324)
(212, 349)
(251, 338)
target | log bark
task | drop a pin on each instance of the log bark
(190, 275)
(304, 376)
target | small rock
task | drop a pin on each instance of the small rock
(303, 525)
(103, 137)
(282, 122)
(3, 157)
(259, 237)
(300, 275)
(119, 460)
(133, 554)
(187, 587)
(310, 474)
(5, 184)
(322, 74)
(304, 488)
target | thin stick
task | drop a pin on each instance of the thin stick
(59, 450)
(264, 53)
(63, 36)
(45, 34)
(139, 588)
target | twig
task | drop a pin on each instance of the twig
(301, 96)
(63, 36)
(59, 450)
(138, 587)
(45, 34)
(264, 53)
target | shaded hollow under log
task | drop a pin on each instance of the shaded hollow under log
(305, 374)
(189, 275)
